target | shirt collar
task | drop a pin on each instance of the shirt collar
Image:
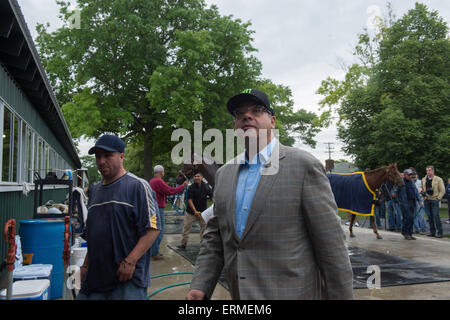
(262, 156)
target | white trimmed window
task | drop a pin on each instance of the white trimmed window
(23, 151)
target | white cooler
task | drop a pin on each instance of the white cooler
(33, 272)
(28, 290)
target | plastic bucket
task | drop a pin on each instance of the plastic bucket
(44, 238)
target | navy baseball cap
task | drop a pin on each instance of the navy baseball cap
(408, 171)
(249, 95)
(108, 142)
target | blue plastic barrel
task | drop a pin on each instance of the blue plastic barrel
(44, 238)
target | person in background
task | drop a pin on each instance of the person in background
(420, 224)
(122, 224)
(197, 196)
(447, 194)
(407, 197)
(162, 190)
(380, 208)
(393, 209)
(433, 190)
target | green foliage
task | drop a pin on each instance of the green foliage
(142, 68)
(395, 105)
(290, 123)
(88, 162)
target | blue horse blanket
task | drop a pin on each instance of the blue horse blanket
(352, 193)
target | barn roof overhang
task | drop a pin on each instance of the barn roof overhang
(20, 58)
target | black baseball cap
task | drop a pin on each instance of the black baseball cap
(249, 95)
(110, 143)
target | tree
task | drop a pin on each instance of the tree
(88, 162)
(395, 106)
(142, 68)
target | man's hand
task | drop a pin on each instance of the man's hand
(125, 271)
(198, 213)
(195, 295)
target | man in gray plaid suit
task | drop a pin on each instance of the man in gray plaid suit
(275, 229)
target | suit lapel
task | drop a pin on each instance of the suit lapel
(268, 177)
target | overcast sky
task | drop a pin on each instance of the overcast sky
(299, 42)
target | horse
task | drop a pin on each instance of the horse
(374, 179)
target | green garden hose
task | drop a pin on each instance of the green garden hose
(171, 286)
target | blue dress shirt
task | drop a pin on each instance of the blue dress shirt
(248, 180)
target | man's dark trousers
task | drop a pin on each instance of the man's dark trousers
(408, 217)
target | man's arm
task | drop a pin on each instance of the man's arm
(84, 268)
(128, 265)
(441, 189)
(209, 263)
(418, 197)
(167, 190)
(327, 236)
(192, 206)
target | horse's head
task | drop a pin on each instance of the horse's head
(187, 170)
(201, 163)
(394, 175)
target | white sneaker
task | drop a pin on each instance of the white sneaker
(447, 221)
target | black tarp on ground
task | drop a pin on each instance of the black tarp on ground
(395, 271)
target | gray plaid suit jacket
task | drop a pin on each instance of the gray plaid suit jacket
(293, 244)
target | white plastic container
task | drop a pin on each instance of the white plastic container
(33, 272)
(28, 290)
(77, 256)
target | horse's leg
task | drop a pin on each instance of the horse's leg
(374, 227)
(352, 220)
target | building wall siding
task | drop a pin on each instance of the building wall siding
(12, 95)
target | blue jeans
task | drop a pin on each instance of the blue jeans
(155, 247)
(420, 224)
(394, 215)
(432, 210)
(408, 217)
(124, 291)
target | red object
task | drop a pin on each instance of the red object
(66, 251)
(162, 190)
(10, 238)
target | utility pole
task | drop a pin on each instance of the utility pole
(330, 149)
(329, 163)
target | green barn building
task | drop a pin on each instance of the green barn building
(34, 136)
